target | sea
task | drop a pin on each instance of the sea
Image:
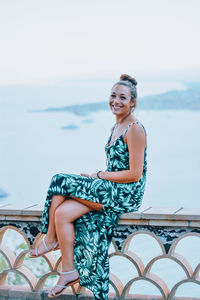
(36, 144)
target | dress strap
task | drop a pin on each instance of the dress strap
(144, 129)
(123, 134)
(130, 126)
(111, 132)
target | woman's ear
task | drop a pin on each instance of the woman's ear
(133, 102)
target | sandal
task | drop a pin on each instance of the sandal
(52, 294)
(53, 248)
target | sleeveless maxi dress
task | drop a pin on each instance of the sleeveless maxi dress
(94, 230)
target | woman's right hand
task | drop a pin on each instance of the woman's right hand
(93, 175)
(84, 174)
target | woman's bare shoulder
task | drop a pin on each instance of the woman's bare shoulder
(136, 132)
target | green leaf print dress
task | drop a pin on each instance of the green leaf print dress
(95, 229)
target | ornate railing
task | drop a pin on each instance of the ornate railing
(155, 254)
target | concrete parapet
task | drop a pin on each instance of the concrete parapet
(166, 227)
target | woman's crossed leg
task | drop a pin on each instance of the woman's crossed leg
(62, 213)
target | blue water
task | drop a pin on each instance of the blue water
(35, 146)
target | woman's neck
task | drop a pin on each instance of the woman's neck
(123, 119)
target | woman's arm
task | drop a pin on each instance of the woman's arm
(135, 140)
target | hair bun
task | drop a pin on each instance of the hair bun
(126, 77)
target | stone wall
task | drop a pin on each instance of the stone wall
(165, 228)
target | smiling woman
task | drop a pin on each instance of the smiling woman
(82, 211)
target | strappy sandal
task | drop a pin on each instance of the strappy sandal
(52, 294)
(53, 248)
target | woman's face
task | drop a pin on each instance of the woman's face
(120, 100)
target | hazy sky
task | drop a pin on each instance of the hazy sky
(50, 41)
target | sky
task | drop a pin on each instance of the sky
(52, 41)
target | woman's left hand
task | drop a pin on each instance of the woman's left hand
(94, 175)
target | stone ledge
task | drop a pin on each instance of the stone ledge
(158, 216)
(23, 293)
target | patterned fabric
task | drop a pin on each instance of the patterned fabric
(94, 230)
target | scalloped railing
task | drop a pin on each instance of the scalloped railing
(155, 254)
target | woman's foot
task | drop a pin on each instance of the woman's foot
(44, 247)
(66, 279)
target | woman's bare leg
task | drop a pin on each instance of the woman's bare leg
(56, 201)
(51, 237)
(65, 215)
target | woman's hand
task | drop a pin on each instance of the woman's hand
(94, 175)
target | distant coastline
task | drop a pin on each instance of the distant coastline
(181, 100)
(173, 100)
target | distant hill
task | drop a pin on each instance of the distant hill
(81, 109)
(188, 99)
(180, 100)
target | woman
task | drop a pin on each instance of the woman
(82, 211)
